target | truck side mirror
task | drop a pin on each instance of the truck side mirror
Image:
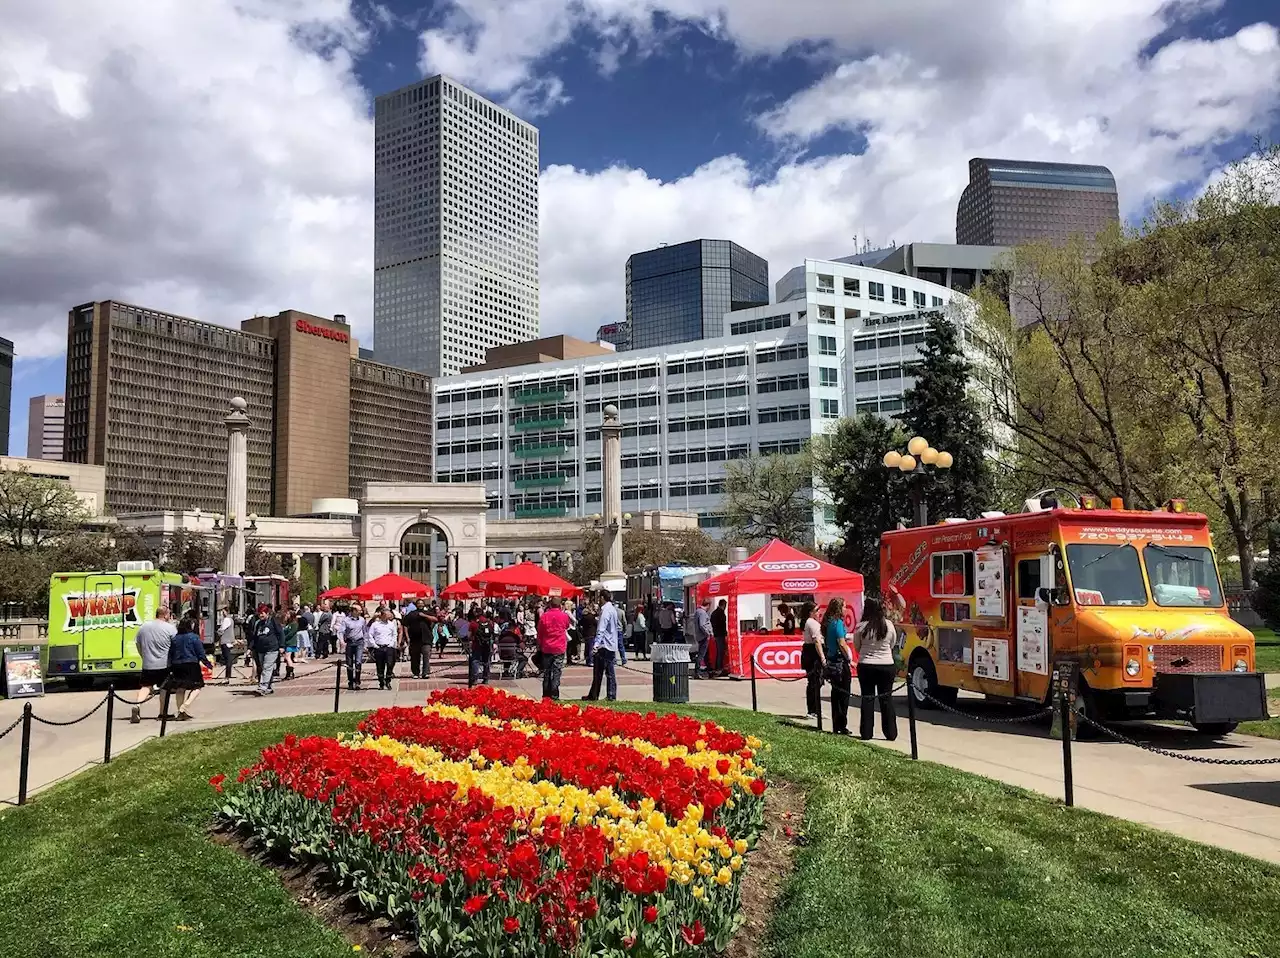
(1048, 596)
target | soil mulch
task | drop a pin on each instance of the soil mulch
(769, 866)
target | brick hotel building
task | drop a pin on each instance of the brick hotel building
(147, 391)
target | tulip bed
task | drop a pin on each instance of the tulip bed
(494, 825)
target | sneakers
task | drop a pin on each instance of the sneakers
(184, 716)
(135, 716)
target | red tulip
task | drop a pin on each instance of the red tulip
(511, 924)
(694, 934)
(650, 914)
(475, 904)
(217, 781)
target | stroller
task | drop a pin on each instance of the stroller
(511, 651)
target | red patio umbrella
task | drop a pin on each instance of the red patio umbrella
(780, 568)
(337, 592)
(466, 589)
(524, 578)
(392, 586)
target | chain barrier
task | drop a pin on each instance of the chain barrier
(1168, 753)
(93, 710)
(16, 723)
(127, 701)
(1015, 720)
(778, 678)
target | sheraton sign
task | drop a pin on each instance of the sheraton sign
(311, 329)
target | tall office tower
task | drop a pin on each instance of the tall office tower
(1008, 202)
(455, 227)
(6, 391)
(617, 335)
(677, 294)
(45, 418)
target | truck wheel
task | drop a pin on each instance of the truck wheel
(1085, 704)
(923, 677)
(1215, 729)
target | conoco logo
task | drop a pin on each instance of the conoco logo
(779, 658)
(799, 585)
(795, 565)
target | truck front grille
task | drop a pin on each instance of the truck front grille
(1188, 658)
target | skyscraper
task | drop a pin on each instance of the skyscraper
(6, 391)
(45, 418)
(1008, 202)
(455, 227)
(676, 294)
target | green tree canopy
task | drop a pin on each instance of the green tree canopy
(770, 497)
(36, 512)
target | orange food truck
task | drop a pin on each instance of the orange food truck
(1131, 599)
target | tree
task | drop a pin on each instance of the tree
(645, 547)
(186, 551)
(35, 511)
(940, 408)
(868, 500)
(770, 497)
(257, 561)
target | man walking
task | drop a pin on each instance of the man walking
(268, 640)
(354, 631)
(416, 625)
(608, 640)
(553, 640)
(702, 633)
(384, 634)
(324, 629)
(154, 639)
(720, 629)
(227, 640)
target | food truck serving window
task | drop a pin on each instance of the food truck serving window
(1106, 575)
(952, 573)
(1182, 575)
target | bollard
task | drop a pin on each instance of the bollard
(1068, 785)
(111, 712)
(755, 706)
(24, 760)
(911, 719)
(164, 713)
(337, 687)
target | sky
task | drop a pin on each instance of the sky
(215, 158)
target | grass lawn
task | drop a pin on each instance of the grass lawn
(1266, 650)
(904, 859)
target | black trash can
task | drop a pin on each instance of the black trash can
(671, 673)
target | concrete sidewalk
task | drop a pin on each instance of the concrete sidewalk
(1234, 807)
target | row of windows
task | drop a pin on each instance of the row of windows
(783, 414)
(700, 393)
(621, 376)
(759, 325)
(782, 354)
(697, 423)
(888, 342)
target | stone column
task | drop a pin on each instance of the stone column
(297, 565)
(544, 559)
(237, 424)
(611, 465)
(490, 560)
(395, 562)
(355, 570)
(323, 578)
(568, 563)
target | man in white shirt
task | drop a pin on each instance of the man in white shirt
(153, 641)
(384, 637)
(227, 639)
(605, 653)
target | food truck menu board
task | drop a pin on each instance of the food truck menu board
(989, 588)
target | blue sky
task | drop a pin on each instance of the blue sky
(215, 159)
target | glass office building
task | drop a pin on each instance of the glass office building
(6, 391)
(1010, 202)
(677, 294)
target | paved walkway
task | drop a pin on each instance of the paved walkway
(1235, 807)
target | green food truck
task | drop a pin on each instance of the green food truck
(94, 618)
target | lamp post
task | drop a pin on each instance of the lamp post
(920, 460)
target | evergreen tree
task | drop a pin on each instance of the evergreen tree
(940, 408)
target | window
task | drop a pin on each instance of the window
(952, 574)
(829, 408)
(1182, 575)
(828, 376)
(899, 295)
(826, 314)
(1106, 575)
(1028, 578)
(863, 345)
(937, 301)
(852, 287)
(876, 291)
(919, 300)
(853, 314)
(826, 284)
(826, 345)
(758, 325)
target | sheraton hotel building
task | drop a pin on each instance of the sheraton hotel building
(146, 393)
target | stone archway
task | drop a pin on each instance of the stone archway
(389, 511)
(424, 554)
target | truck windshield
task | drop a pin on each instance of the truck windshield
(1182, 575)
(1106, 575)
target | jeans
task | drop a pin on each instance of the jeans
(552, 669)
(840, 686)
(355, 662)
(603, 666)
(700, 663)
(419, 657)
(322, 644)
(478, 663)
(721, 653)
(267, 669)
(228, 658)
(876, 682)
(384, 658)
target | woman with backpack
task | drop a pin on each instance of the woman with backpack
(873, 641)
(838, 669)
(481, 653)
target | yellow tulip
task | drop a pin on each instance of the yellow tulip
(724, 876)
(736, 863)
(740, 846)
(698, 891)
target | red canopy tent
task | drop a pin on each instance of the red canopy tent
(337, 592)
(466, 589)
(778, 569)
(392, 586)
(524, 578)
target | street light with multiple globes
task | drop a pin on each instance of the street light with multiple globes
(913, 463)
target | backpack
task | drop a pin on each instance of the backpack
(482, 637)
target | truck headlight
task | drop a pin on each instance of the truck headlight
(1242, 665)
(1133, 666)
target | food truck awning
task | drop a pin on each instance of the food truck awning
(778, 568)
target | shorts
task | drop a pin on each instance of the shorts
(186, 676)
(152, 677)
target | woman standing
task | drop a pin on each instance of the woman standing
(289, 626)
(186, 656)
(812, 659)
(873, 641)
(838, 665)
(640, 632)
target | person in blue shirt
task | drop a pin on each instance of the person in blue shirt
(839, 669)
(608, 641)
(186, 656)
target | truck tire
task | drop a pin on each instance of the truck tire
(922, 676)
(1086, 704)
(1215, 729)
